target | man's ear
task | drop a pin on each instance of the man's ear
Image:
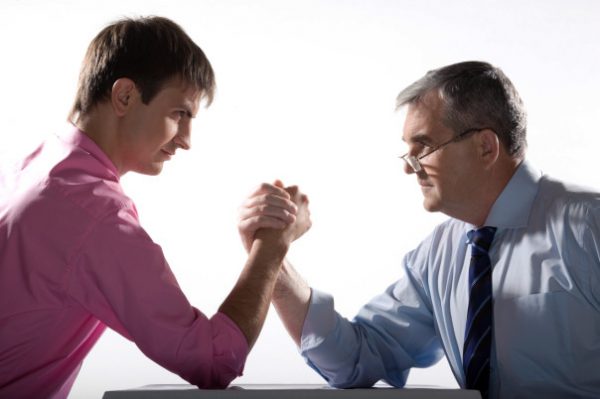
(123, 94)
(489, 146)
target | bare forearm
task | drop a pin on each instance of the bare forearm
(248, 303)
(291, 299)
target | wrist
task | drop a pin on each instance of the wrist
(271, 241)
(290, 283)
(267, 254)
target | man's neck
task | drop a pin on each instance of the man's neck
(492, 186)
(102, 130)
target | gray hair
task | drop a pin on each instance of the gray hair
(475, 95)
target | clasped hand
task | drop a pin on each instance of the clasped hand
(273, 206)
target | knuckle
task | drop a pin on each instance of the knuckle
(264, 186)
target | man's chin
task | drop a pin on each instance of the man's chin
(431, 206)
(153, 169)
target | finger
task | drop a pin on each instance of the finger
(270, 200)
(297, 196)
(278, 183)
(292, 190)
(266, 188)
(267, 211)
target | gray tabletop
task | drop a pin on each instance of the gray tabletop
(297, 391)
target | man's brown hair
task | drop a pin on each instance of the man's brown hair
(147, 50)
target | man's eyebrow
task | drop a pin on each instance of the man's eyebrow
(188, 110)
(418, 138)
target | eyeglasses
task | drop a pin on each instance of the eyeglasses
(413, 161)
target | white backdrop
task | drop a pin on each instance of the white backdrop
(306, 93)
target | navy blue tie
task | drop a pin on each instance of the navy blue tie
(478, 335)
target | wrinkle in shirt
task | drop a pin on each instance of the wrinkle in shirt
(546, 273)
(73, 260)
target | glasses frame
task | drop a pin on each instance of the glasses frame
(413, 161)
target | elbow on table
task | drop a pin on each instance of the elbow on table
(358, 378)
(216, 378)
(218, 374)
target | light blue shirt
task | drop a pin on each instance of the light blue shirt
(546, 288)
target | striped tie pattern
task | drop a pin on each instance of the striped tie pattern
(478, 334)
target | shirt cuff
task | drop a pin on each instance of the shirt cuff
(319, 322)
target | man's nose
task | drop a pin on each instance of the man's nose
(408, 169)
(183, 139)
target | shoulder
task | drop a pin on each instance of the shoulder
(571, 212)
(558, 199)
(83, 183)
(566, 191)
(84, 202)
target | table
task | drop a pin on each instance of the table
(288, 391)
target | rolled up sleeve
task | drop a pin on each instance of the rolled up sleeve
(390, 334)
(121, 277)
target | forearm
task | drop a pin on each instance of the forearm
(291, 299)
(248, 303)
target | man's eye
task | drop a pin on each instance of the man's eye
(421, 149)
(180, 114)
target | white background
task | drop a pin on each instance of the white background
(306, 93)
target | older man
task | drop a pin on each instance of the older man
(508, 288)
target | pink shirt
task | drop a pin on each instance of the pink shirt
(73, 260)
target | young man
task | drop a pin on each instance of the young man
(508, 288)
(73, 256)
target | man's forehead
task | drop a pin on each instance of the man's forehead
(192, 99)
(429, 102)
(423, 119)
(193, 96)
(184, 93)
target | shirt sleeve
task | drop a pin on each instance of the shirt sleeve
(392, 333)
(121, 277)
(591, 247)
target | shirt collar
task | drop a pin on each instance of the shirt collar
(77, 138)
(513, 205)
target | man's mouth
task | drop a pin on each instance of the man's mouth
(168, 154)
